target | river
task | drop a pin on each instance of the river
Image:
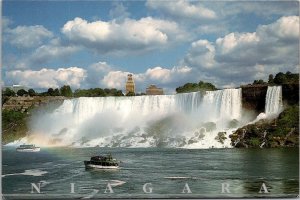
(168, 172)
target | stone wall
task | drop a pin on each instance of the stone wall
(24, 103)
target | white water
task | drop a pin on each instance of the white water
(273, 104)
(180, 120)
(273, 100)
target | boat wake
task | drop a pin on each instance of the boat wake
(30, 172)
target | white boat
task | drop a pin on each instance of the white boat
(101, 162)
(28, 148)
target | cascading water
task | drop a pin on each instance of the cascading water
(273, 100)
(188, 120)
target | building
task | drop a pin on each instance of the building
(130, 86)
(153, 90)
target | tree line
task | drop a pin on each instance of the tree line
(65, 91)
(279, 79)
(194, 87)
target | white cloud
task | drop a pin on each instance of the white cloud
(53, 50)
(96, 72)
(286, 28)
(240, 57)
(162, 77)
(119, 12)
(46, 78)
(201, 53)
(232, 40)
(123, 37)
(182, 9)
(27, 36)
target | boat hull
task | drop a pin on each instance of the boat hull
(89, 165)
(37, 149)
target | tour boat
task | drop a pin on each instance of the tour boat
(28, 148)
(102, 162)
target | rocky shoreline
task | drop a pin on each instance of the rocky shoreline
(282, 131)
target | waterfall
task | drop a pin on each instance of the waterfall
(226, 102)
(273, 100)
(191, 120)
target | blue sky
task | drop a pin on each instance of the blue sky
(168, 43)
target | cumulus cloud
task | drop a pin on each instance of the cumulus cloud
(96, 72)
(183, 9)
(26, 36)
(241, 57)
(127, 36)
(53, 50)
(162, 77)
(46, 78)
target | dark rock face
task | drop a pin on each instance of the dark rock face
(254, 97)
(290, 94)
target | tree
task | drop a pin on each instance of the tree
(280, 78)
(50, 92)
(56, 92)
(271, 79)
(193, 87)
(31, 92)
(21, 92)
(8, 92)
(258, 82)
(66, 91)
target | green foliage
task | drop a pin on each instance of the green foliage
(66, 91)
(21, 92)
(286, 78)
(52, 92)
(56, 92)
(31, 92)
(8, 92)
(13, 125)
(97, 92)
(259, 82)
(271, 79)
(254, 142)
(10, 116)
(194, 87)
(287, 120)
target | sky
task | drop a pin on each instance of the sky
(88, 44)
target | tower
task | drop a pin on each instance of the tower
(130, 86)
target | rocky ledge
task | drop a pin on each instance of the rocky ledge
(280, 132)
(26, 102)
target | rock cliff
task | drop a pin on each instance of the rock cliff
(254, 96)
(24, 103)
